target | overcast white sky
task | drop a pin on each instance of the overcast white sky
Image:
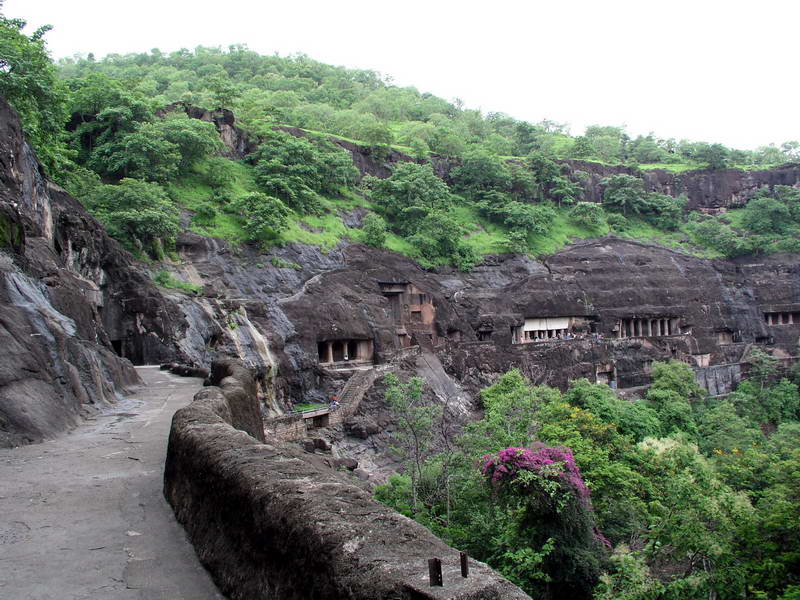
(718, 71)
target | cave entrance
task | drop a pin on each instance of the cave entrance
(339, 353)
(724, 337)
(394, 307)
(118, 348)
(606, 374)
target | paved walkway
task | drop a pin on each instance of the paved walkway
(83, 517)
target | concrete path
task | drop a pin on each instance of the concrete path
(83, 517)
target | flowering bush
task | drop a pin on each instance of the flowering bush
(554, 464)
(550, 481)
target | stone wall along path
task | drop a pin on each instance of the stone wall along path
(83, 516)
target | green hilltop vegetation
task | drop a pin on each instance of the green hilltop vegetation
(100, 130)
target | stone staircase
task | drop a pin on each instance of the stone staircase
(354, 390)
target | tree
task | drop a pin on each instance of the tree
(634, 419)
(715, 156)
(410, 193)
(222, 90)
(139, 154)
(414, 420)
(665, 212)
(565, 191)
(480, 172)
(544, 490)
(695, 522)
(764, 215)
(30, 84)
(588, 214)
(438, 240)
(624, 193)
(297, 171)
(517, 241)
(646, 149)
(374, 228)
(712, 232)
(263, 216)
(671, 395)
(157, 150)
(195, 139)
(137, 213)
(104, 111)
(582, 148)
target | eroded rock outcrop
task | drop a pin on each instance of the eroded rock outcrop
(710, 189)
(71, 302)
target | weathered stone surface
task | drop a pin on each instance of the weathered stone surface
(321, 444)
(269, 524)
(351, 464)
(57, 359)
(238, 385)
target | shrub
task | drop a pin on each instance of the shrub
(264, 216)
(374, 228)
(204, 214)
(588, 214)
(137, 213)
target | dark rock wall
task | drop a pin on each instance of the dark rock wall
(269, 524)
(602, 280)
(71, 299)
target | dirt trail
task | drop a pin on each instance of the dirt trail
(83, 516)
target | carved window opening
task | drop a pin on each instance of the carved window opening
(606, 374)
(411, 309)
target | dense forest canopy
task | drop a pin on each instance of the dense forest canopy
(585, 495)
(365, 106)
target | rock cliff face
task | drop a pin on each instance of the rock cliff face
(306, 327)
(707, 313)
(71, 302)
(704, 188)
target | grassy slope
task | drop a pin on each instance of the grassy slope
(327, 230)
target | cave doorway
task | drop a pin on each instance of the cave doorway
(338, 351)
(118, 348)
(352, 350)
(320, 421)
